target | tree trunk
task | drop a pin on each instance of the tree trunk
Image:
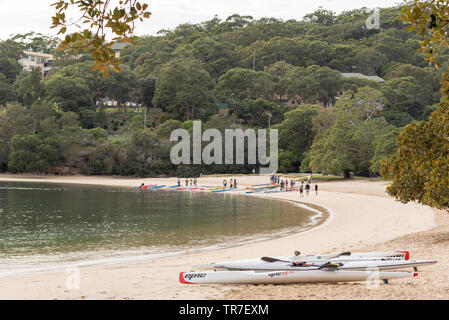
(186, 105)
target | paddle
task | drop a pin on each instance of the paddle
(341, 255)
(269, 259)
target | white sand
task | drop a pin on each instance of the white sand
(362, 216)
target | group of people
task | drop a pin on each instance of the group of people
(307, 187)
(232, 183)
(286, 185)
(193, 182)
(304, 188)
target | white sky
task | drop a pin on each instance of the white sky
(21, 16)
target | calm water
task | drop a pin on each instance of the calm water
(43, 225)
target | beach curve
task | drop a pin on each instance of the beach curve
(357, 220)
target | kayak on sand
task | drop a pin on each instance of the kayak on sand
(284, 277)
(380, 264)
(314, 258)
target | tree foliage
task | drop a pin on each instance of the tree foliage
(419, 169)
(99, 17)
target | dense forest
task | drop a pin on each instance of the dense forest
(237, 73)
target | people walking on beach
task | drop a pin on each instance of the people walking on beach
(307, 188)
(301, 191)
(316, 188)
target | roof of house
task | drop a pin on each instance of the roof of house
(359, 75)
(38, 54)
(119, 45)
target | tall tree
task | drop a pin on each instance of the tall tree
(296, 132)
(349, 144)
(68, 93)
(122, 87)
(29, 87)
(185, 83)
(419, 168)
(240, 84)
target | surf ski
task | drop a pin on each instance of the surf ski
(375, 264)
(285, 277)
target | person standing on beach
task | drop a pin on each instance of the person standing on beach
(316, 188)
(230, 183)
(307, 188)
(301, 191)
(179, 182)
(235, 183)
(225, 183)
(195, 182)
(286, 184)
(187, 182)
(282, 185)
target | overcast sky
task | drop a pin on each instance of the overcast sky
(21, 16)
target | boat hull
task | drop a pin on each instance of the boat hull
(287, 277)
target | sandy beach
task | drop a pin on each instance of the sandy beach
(362, 218)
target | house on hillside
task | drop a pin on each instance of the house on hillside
(297, 100)
(108, 103)
(117, 47)
(31, 60)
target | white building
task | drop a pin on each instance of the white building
(31, 60)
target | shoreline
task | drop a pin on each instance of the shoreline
(321, 217)
(127, 257)
(359, 217)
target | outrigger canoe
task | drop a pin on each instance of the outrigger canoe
(145, 187)
(223, 190)
(353, 265)
(284, 277)
(157, 187)
(312, 259)
(262, 187)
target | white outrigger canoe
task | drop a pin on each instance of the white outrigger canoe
(262, 264)
(285, 277)
(372, 264)
(400, 255)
